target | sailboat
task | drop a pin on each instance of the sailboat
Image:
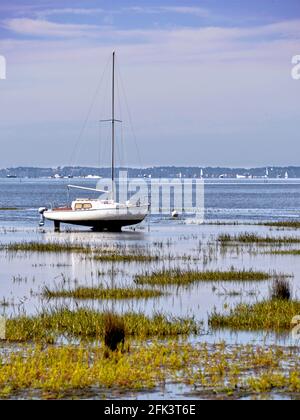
(99, 214)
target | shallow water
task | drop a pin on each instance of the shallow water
(24, 275)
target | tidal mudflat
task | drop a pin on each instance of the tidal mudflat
(193, 303)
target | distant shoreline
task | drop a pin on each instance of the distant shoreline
(275, 172)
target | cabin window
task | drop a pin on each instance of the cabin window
(87, 206)
(83, 206)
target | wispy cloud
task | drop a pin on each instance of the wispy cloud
(200, 38)
(196, 11)
(69, 11)
(183, 10)
(45, 28)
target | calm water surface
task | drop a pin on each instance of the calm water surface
(23, 276)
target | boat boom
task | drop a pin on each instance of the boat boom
(87, 189)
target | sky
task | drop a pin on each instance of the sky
(199, 83)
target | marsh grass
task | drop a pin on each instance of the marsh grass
(273, 314)
(292, 224)
(206, 369)
(114, 332)
(220, 223)
(89, 325)
(125, 257)
(251, 238)
(101, 293)
(291, 252)
(56, 247)
(9, 208)
(180, 277)
(102, 254)
(281, 289)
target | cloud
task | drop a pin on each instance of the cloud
(209, 35)
(196, 11)
(70, 11)
(163, 44)
(45, 28)
(186, 10)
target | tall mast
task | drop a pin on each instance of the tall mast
(113, 129)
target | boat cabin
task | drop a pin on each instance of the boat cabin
(89, 204)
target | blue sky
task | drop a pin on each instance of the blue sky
(208, 82)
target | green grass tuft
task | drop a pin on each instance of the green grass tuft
(179, 277)
(274, 314)
(292, 224)
(90, 324)
(125, 257)
(97, 254)
(102, 293)
(294, 252)
(34, 246)
(251, 238)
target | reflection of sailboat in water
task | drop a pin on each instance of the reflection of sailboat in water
(97, 213)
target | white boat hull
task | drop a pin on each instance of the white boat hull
(100, 219)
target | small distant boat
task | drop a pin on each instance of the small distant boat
(93, 177)
(11, 176)
(99, 214)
